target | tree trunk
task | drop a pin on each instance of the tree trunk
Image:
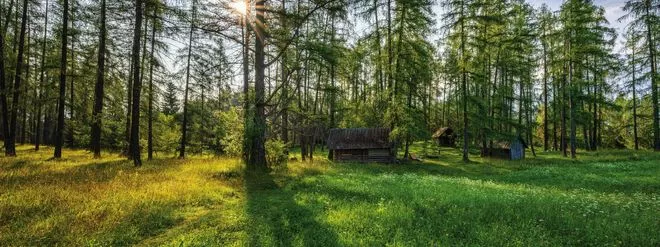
(97, 116)
(10, 141)
(129, 108)
(464, 89)
(150, 135)
(184, 125)
(634, 93)
(3, 89)
(571, 103)
(40, 96)
(24, 107)
(333, 89)
(545, 94)
(390, 57)
(594, 131)
(285, 86)
(134, 144)
(258, 152)
(563, 112)
(654, 79)
(247, 139)
(59, 134)
(72, 78)
(379, 66)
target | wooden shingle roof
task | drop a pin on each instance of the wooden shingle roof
(359, 138)
(441, 131)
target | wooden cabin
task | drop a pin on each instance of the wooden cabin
(361, 145)
(511, 150)
(445, 137)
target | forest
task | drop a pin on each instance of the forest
(210, 122)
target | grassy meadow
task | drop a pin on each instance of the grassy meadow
(605, 198)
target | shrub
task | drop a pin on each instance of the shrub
(276, 153)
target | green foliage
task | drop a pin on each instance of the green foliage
(166, 134)
(276, 155)
(230, 130)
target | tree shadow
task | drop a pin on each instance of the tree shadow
(276, 218)
(604, 173)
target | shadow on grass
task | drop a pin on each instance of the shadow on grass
(145, 221)
(276, 219)
(605, 172)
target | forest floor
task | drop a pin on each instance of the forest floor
(603, 198)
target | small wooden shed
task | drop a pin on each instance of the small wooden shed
(511, 150)
(361, 145)
(445, 137)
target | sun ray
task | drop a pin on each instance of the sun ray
(239, 6)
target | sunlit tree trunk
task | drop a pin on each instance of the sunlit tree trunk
(150, 134)
(184, 125)
(257, 159)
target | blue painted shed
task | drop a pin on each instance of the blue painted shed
(513, 150)
(517, 147)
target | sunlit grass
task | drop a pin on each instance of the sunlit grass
(605, 198)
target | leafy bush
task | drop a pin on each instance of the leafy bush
(276, 153)
(167, 134)
(230, 131)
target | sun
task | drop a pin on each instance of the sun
(239, 6)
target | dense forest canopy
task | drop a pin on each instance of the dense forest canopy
(254, 78)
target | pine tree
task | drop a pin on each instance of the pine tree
(170, 102)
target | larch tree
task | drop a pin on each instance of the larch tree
(134, 144)
(59, 135)
(97, 114)
(644, 17)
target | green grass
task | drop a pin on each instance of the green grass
(603, 198)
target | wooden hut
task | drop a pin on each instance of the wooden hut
(361, 145)
(511, 150)
(445, 137)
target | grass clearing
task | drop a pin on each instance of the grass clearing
(605, 198)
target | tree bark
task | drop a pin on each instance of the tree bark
(634, 94)
(40, 96)
(24, 107)
(258, 152)
(184, 125)
(545, 93)
(285, 85)
(571, 103)
(134, 144)
(3, 89)
(247, 140)
(59, 131)
(654, 79)
(10, 141)
(97, 116)
(72, 78)
(379, 66)
(464, 87)
(150, 135)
